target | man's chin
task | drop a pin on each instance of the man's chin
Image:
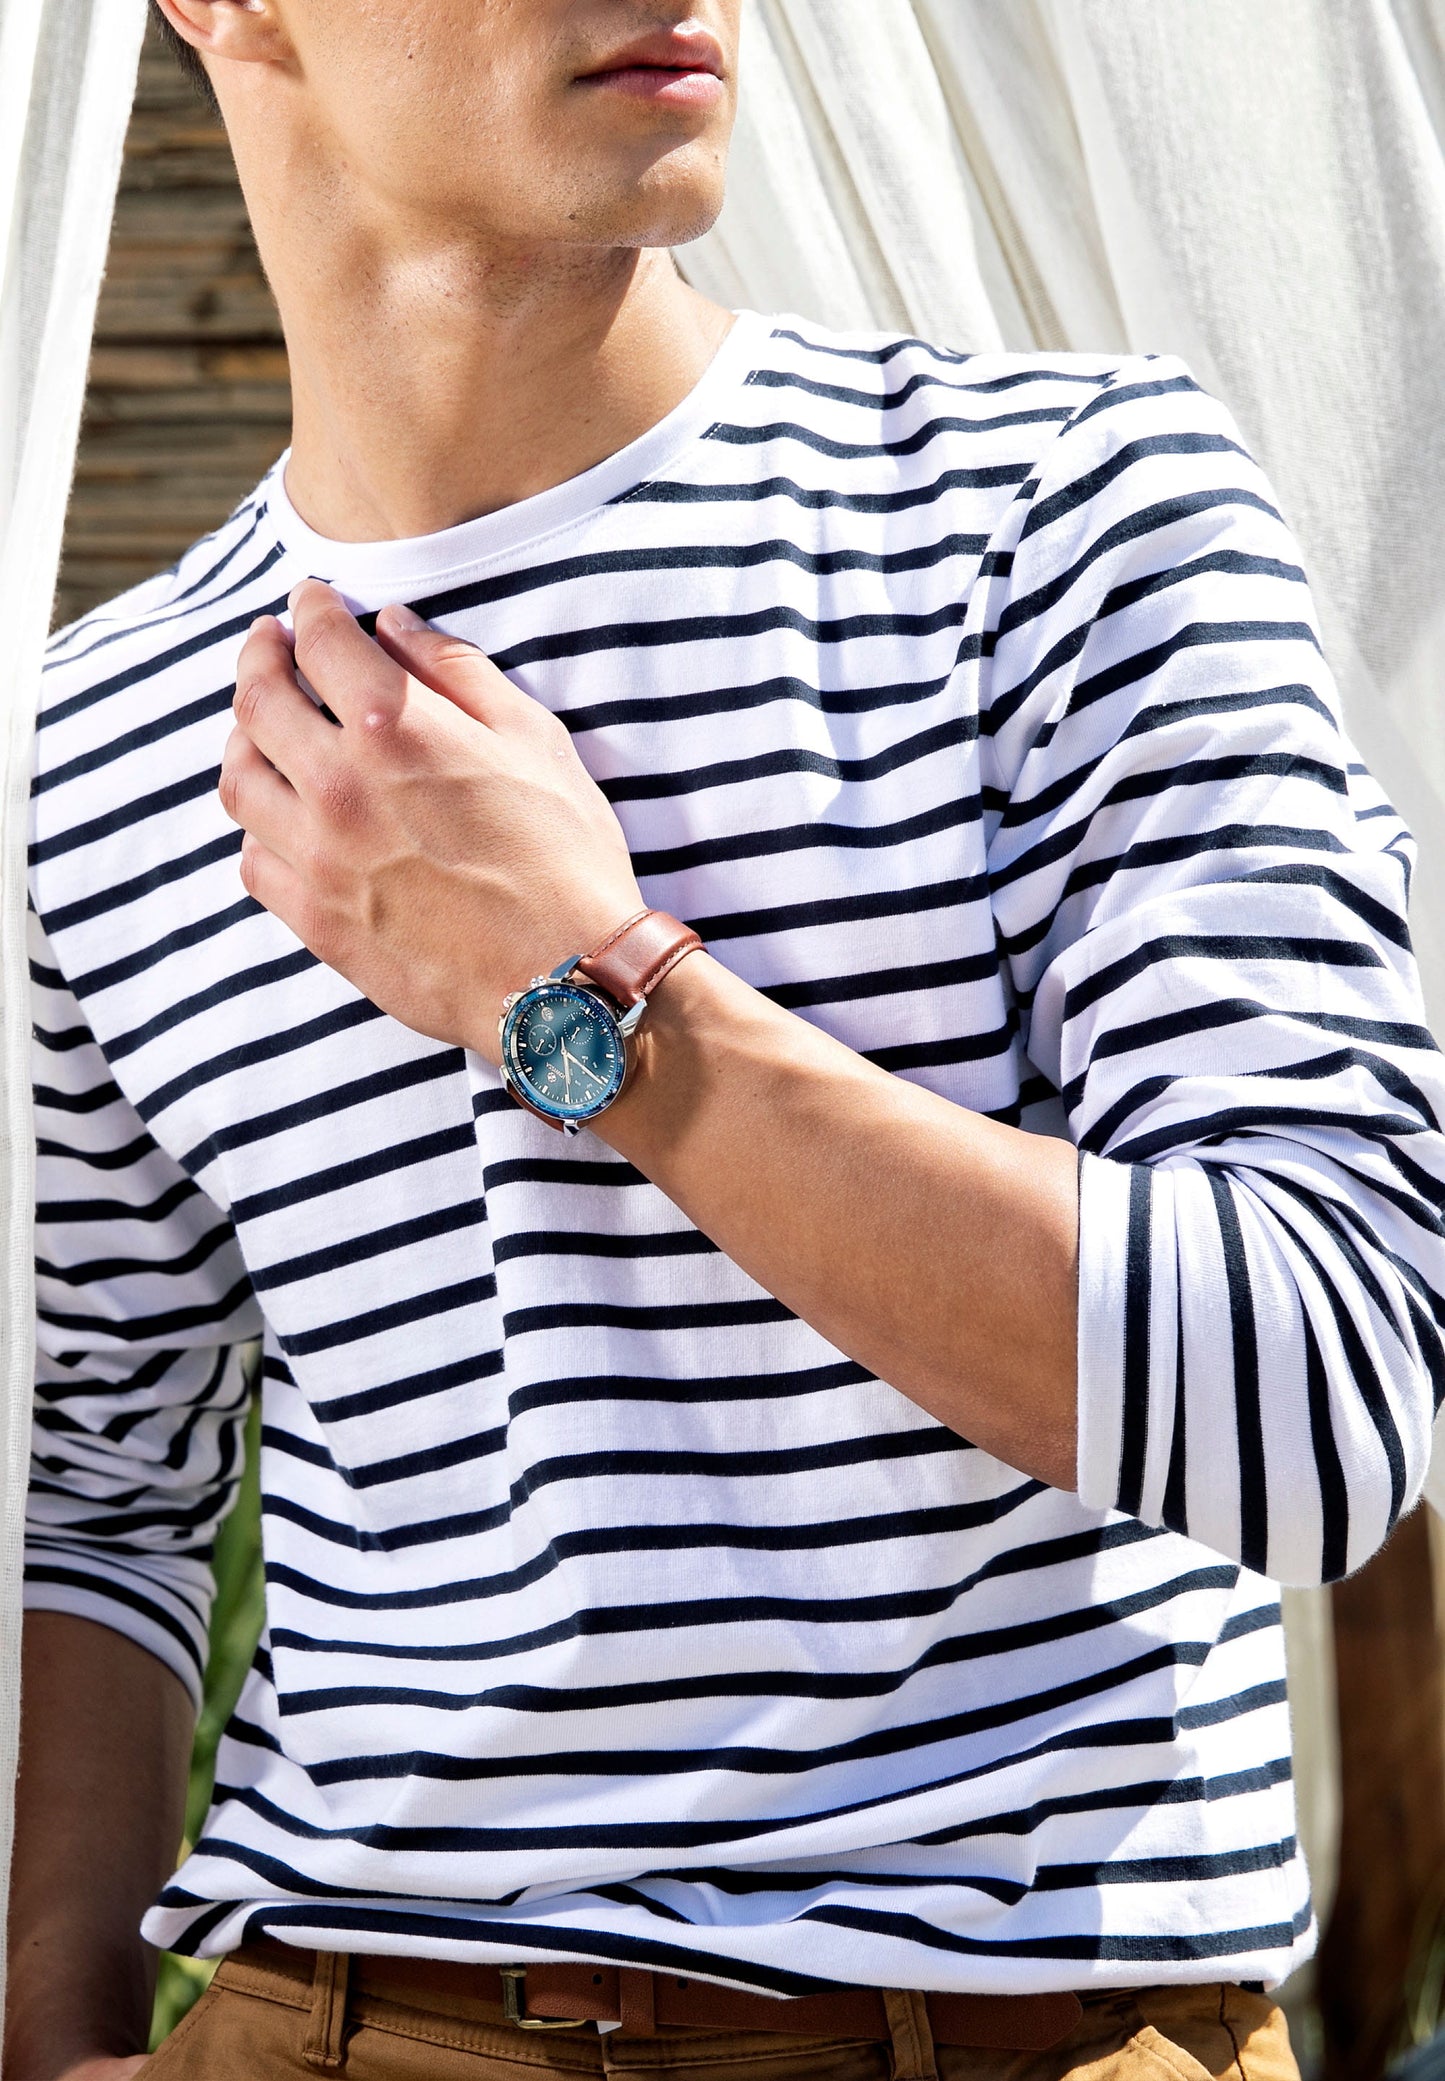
(669, 206)
(626, 231)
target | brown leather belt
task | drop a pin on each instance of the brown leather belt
(563, 1997)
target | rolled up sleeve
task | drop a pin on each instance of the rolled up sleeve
(1201, 897)
(145, 1331)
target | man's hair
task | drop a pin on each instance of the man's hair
(188, 58)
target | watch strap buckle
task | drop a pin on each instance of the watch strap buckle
(631, 1019)
(629, 1016)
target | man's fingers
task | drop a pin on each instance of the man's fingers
(365, 683)
(258, 798)
(278, 887)
(451, 667)
(360, 684)
(272, 708)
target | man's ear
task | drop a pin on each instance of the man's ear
(239, 30)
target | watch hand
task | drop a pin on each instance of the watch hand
(580, 1067)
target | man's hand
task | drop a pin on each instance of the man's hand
(444, 844)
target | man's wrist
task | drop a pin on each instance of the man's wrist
(669, 1047)
(567, 1038)
(704, 1041)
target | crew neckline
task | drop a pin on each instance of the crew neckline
(423, 560)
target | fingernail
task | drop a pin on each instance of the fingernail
(312, 580)
(403, 617)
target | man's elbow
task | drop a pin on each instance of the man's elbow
(1331, 1520)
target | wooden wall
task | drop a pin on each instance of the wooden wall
(187, 403)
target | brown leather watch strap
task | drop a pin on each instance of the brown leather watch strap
(635, 958)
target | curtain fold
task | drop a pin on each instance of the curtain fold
(843, 127)
(1273, 195)
(67, 78)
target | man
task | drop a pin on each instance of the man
(636, 1659)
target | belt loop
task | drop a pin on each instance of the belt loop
(637, 2002)
(326, 2029)
(911, 2035)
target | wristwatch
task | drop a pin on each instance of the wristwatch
(565, 1037)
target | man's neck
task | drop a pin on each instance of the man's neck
(434, 384)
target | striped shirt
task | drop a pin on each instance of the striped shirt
(971, 708)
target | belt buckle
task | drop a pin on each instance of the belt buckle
(514, 2001)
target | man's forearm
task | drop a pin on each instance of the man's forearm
(105, 1741)
(437, 851)
(936, 1247)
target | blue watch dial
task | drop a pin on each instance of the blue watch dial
(563, 1046)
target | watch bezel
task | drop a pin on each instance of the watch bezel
(570, 1118)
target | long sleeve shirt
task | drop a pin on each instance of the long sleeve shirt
(973, 709)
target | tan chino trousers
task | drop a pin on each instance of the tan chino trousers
(256, 2024)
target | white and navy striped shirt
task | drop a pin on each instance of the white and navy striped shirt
(971, 708)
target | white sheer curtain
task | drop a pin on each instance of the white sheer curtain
(67, 78)
(1257, 185)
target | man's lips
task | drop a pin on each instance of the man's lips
(679, 71)
(671, 87)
